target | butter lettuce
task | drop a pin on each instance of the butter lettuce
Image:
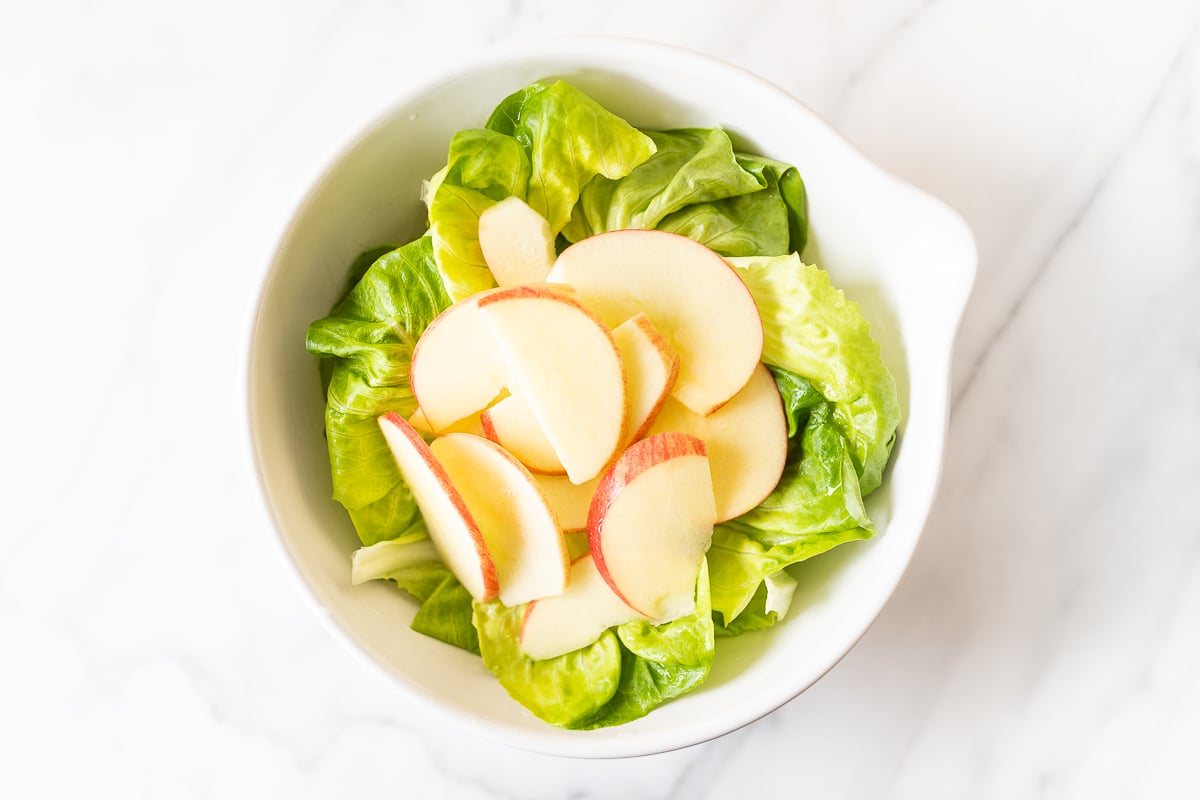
(812, 330)
(772, 221)
(371, 332)
(623, 675)
(521, 152)
(842, 409)
(815, 507)
(688, 166)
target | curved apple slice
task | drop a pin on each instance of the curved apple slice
(651, 523)
(456, 369)
(516, 242)
(746, 440)
(452, 526)
(693, 296)
(651, 367)
(564, 362)
(511, 424)
(520, 530)
(554, 626)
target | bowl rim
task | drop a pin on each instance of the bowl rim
(552, 741)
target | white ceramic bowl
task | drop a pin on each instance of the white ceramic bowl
(904, 256)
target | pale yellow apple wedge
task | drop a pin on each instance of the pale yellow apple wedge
(571, 502)
(746, 440)
(456, 369)
(516, 243)
(511, 424)
(574, 619)
(521, 532)
(452, 527)
(651, 367)
(564, 362)
(693, 296)
(651, 523)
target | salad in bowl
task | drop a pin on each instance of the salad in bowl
(590, 416)
(849, 270)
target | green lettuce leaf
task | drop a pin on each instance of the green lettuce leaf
(483, 168)
(815, 507)
(392, 556)
(768, 222)
(371, 333)
(627, 672)
(660, 662)
(689, 166)
(600, 143)
(799, 396)
(562, 691)
(812, 330)
(769, 604)
(446, 613)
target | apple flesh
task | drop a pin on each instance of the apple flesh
(691, 294)
(651, 522)
(456, 369)
(569, 501)
(558, 625)
(516, 243)
(521, 532)
(452, 526)
(651, 367)
(746, 440)
(511, 424)
(472, 424)
(566, 365)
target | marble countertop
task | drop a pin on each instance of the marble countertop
(1044, 642)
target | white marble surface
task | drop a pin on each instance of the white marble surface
(1045, 641)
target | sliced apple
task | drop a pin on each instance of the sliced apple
(557, 625)
(746, 440)
(420, 423)
(520, 530)
(569, 501)
(691, 294)
(456, 369)
(472, 424)
(452, 526)
(511, 424)
(564, 362)
(516, 242)
(651, 367)
(651, 522)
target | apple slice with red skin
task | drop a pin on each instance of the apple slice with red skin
(564, 362)
(511, 424)
(456, 369)
(521, 531)
(693, 296)
(651, 522)
(452, 526)
(746, 440)
(651, 367)
(516, 243)
(554, 626)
